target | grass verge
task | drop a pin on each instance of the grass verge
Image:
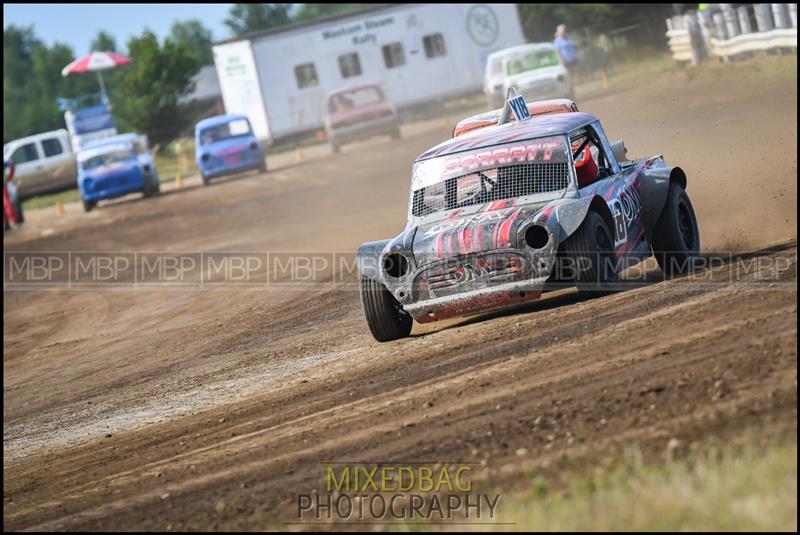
(731, 489)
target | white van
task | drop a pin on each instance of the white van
(44, 163)
(535, 70)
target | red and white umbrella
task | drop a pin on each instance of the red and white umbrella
(96, 62)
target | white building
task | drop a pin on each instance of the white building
(418, 53)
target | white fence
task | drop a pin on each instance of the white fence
(726, 32)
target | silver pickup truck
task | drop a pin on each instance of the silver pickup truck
(45, 163)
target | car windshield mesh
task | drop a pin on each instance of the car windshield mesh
(531, 168)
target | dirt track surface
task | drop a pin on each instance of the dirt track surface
(149, 408)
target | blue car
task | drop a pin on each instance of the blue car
(225, 145)
(114, 167)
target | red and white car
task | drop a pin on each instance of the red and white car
(359, 112)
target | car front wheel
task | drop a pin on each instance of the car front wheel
(385, 316)
(88, 205)
(151, 186)
(590, 255)
(676, 238)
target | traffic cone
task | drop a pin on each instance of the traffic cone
(605, 80)
(59, 208)
(298, 154)
(178, 181)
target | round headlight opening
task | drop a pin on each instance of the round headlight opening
(536, 236)
(395, 265)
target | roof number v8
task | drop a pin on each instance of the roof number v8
(519, 107)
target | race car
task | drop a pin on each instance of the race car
(226, 145)
(116, 166)
(359, 112)
(521, 200)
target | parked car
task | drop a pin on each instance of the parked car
(114, 167)
(519, 201)
(225, 145)
(359, 112)
(535, 70)
(45, 163)
(493, 78)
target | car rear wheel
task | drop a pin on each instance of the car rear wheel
(336, 148)
(206, 180)
(590, 255)
(676, 238)
(88, 206)
(396, 133)
(385, 316)
(263, 167)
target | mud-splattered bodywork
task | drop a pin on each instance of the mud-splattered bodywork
(462, 257)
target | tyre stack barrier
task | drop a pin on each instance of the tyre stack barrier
(732, 32)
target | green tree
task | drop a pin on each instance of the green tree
(47, 83)
(32, 80)
(146, 98)
(103, 42)
(539, 21)
(18, 46)
(196, 37)
(308, 12)
(246, 18)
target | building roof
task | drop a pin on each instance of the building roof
(205, 86)
(535, 127)
(218, 120)
(316, 22)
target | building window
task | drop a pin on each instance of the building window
(52, 147)
(349, 65)
(434, 45)
(393, 55)
(306, 75)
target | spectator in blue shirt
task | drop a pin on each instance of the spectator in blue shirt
(566, 49)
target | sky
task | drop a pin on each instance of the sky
(77, 24)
